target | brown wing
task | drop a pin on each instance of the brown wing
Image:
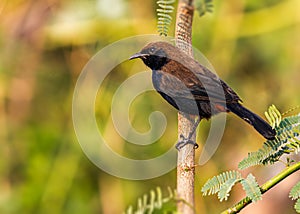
(202, 84)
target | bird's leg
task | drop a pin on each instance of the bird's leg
(184, 141)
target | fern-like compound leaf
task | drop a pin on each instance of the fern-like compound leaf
(297, 206)
(273, 116)
(204, 6)
(215, 184)
(286, 141)
(164, 17)
(223, 194)
(295, 192)
(152, 202)
(252, 188)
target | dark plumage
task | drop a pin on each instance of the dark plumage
(192, 88)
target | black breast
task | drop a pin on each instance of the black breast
(174, 92)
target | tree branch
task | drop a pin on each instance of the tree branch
(264, 188)
(186, 155)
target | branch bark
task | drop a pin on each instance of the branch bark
(186, 155)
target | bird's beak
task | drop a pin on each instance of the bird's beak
(138, 55)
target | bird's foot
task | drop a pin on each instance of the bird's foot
(184, 141)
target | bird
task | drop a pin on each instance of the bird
(192, 88)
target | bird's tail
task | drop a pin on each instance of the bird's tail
(257, 122)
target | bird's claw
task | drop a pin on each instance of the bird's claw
(184, 141)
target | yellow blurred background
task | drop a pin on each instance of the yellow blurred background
(253, 45)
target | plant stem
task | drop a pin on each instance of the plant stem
(264, 188)
(186, 155)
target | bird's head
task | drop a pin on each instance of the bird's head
(154, 55)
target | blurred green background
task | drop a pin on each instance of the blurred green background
(253, 45)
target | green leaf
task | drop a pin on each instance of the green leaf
(286, 141)
(221, 184)
(295, 192)
(152, 202)
(252, 188)
(273, 116)
(204, 6)
(297, 206)
(164, 17)
(226, 188)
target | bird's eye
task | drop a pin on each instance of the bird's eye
(152, 50)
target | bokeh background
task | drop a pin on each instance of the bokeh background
(253, 45)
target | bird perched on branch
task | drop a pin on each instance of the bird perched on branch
(192, 88)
